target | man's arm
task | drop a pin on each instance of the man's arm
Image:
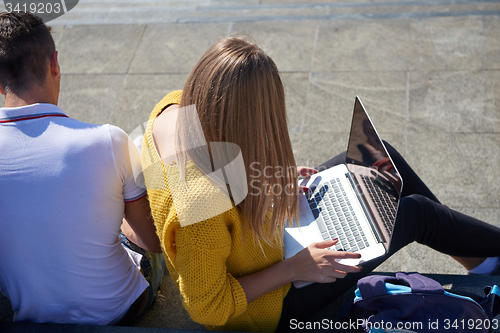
(138, 225)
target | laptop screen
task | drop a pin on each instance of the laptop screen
(364, 147)
(371, 166)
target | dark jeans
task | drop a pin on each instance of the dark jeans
(420, 218)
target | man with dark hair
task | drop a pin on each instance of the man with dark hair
(65, 188)
(26, 45)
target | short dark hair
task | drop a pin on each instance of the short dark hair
(26, 44)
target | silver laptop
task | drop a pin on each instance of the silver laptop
(355, 202)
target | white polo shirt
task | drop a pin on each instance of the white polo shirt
(63, 188)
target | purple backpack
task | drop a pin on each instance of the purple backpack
(415, 303)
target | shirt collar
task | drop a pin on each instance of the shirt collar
(32, 111)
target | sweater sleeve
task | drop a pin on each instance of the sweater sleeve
(211, 294)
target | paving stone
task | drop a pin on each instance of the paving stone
(139, 95)
(455, 101)
(295, 97)
(57, 33)
(102, 49)
(318, 147)
(489, 215)
(362, 45)
(455, 43)
(330, 101)
(289, 44)
(90, 98)
(461, 169)
(295, 140)
(168, 310)
(393, 264)
(175, 48)
(318, 1)
(422, 259)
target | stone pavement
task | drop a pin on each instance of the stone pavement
(427, 72)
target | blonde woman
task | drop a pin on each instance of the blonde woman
(226, 256)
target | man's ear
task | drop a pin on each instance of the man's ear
(54, 65)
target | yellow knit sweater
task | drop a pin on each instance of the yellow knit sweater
(207, 257)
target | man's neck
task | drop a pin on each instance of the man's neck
(31, 96)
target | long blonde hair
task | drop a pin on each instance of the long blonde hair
(239, 98)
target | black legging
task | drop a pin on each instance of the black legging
(421, 218)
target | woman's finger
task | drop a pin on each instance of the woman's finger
(344, 255)
(306, 171)
(347, 268)
(325, 244)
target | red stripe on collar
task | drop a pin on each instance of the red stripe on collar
(33, 117)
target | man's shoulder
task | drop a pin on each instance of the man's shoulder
(89, 130)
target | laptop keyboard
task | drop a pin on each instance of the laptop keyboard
(331, 202)
(385, 201)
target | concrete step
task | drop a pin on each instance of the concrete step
(200, 11)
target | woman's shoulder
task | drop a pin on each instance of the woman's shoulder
(150, 155)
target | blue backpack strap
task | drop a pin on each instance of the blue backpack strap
(492, 290)
(491, 303)
(421, 284)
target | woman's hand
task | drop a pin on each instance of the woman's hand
(305, 172)
(318, 264)
(314, 263)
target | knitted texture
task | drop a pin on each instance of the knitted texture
(205, 258)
